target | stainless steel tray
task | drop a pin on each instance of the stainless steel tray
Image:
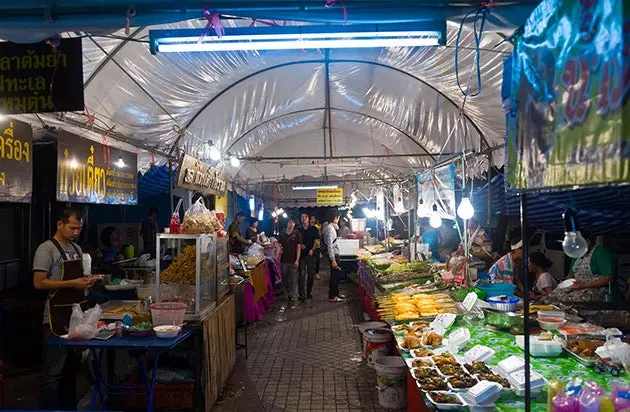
(114, 304)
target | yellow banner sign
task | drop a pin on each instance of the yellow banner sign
(330, 196)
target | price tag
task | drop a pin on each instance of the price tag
(443, 321)
(469, 301)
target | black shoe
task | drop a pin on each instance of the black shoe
(309, 296)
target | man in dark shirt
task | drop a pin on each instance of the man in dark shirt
(307, 260)
(291, 242)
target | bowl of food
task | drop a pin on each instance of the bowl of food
(167, 331)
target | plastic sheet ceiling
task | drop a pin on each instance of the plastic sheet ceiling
(400, 101)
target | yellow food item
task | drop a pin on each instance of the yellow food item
(182, 270)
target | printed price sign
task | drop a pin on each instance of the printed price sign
(16, 168)
(330, 196)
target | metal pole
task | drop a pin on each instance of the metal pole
(170, 183)
(489, 188)
(526, 301)
(327, 96)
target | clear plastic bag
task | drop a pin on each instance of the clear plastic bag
(199, 220)
(83, 325)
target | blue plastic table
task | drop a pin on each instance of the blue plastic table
(136, 346)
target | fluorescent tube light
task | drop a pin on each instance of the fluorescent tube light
(300, 37)
(314, 187)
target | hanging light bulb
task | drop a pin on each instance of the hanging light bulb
(234, 161)
(252, 203)
(215, 155)
(73, 163)
(261, 213)
(121, 163)
(465, 210)
(435, 221)
(573, 244)
(274, 214)
(284, 215)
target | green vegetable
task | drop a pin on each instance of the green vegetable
(481, 294)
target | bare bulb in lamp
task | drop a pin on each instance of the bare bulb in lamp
(465, 210)
(573, 244)
(284, 215)
(215, 155)
(435, 221)
(234, 161)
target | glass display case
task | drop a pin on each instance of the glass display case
(223, 256)
(187, 271)
(223, 267)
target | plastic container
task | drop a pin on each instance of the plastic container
(446, 406)
(548, 324)
(167, 331)
(87, 264)
(540, 348)
(378, 343)
(479, 353)
(517, 380)
(168, 313)
(510, 365)
(391, 382)
(485, 392)
(364, 326)
(503, 303)
(497, 289)
(551, 314)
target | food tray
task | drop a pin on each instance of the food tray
(583, 361)
(446, 406)
(427, 359)
(454, 389)
(117, 304)
(419, 385)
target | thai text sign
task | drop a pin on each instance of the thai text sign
(330, 196)
(37, 78)
(89, 172)
(16, 167)
(196, 175)
(567, 123)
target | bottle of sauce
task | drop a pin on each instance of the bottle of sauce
(174, 227)
(555, 386)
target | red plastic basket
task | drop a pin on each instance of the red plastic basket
(168, 313)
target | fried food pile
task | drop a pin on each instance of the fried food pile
(182, 270)
(402, 307)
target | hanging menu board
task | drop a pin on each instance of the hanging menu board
(16, 167)
(41, 77)
(198, 176)
(330, 196)
(89, 172)
(437, 187)
(568, 118)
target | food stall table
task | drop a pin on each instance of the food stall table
(503, 343)
(134, 344)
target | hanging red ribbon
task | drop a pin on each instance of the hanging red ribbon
(55, 43)
(90, 117)
(214, 22)
(331, 3)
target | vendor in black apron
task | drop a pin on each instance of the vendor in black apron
(58, 268)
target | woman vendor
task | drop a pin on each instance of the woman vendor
(593, 273)
(252, 231)
(505, 270)
(544, 282)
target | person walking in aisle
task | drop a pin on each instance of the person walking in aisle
(318, 248)
(332, 252)
(291, 244)
(307, 259)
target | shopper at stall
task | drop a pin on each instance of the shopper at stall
(252, 231)
(237, 241)
(505, 270)
(291, 245)
(332, 252)
(480, 243)
(544, 283)
(593, 274)
(344, 230)
(150, 229)
(431, 237)
(315, 223)
(58, 268)
(307, 258)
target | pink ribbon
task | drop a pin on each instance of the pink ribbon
(90, 117)
(331, 3)
(214, 21)
(267, 23)
(55, 43)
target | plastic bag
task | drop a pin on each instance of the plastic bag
(84, 325)
(199, 220)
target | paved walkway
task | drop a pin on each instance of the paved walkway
(305, 359)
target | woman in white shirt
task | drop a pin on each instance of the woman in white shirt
(544, 282)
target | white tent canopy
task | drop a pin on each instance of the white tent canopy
(392, 109)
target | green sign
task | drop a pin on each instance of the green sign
(568, 119)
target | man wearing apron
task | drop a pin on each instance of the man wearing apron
(58, 268)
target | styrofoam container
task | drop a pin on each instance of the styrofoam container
(472, 407)
(410, 361)
(510, 365)
(446, 406)
(485, 392)
(458, 339)
(540, 348)
(517, 380)
(479, 353)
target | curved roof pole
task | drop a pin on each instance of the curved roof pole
(328, 114)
